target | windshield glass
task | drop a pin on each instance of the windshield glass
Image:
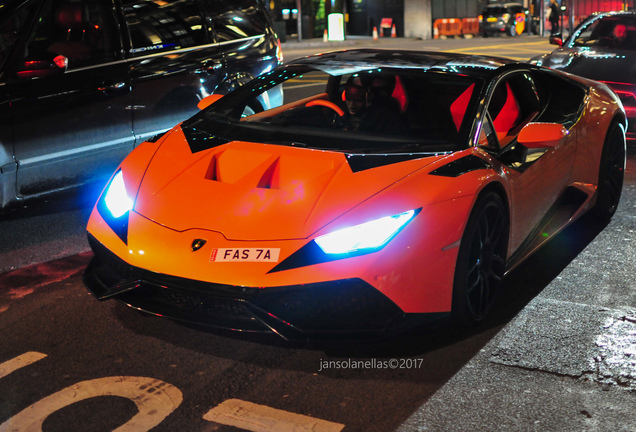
(348, 108)
(610, 32)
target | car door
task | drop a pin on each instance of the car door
(70, 98)
(174, 62)
(537, 177)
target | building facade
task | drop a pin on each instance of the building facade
(412, 18)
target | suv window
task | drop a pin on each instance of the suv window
(79, 30)
(163, 26)
(237, 19)
(10, 32)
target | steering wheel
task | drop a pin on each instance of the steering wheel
(327, 104)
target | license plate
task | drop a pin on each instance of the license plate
(491, 19)
(245, 255)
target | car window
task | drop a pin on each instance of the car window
(611, 31)
(81, 31)
(513, 104)
(10, 32)
(163, 26)
(495, 11)
(236, 19)
(349, 109)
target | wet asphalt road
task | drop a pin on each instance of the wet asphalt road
(559, 355)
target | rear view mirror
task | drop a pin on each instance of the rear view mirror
(208, 100)
(542, 135)
(48, 65)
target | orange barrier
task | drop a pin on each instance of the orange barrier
(470, 26)
(447, 27)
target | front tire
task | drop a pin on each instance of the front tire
(611, 173)
(481, 260)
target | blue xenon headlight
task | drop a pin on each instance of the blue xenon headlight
(116, 199)
(367, 236)
(115, 205)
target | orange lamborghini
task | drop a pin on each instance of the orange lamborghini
(384, 188)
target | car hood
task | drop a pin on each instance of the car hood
(252, 191)
(599, 64)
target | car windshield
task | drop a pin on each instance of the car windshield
(349, 108)
(614, 31)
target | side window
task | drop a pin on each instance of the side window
(514, 103)
(163, 25)
(236, 19)
(10, 32)
(80, 30)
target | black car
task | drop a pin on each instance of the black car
(603, 48)
(82, 82)
(503, 18)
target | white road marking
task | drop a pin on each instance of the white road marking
(261, 418)
(155, 400)
(19, 362)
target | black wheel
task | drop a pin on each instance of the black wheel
(481, 260)
(611, 173)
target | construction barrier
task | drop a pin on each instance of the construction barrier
(445, 27)
(470, 26)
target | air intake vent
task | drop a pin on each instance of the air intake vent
(271, 176)
(213, 169)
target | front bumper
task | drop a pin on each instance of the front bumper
(348, 307)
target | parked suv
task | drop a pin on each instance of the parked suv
(507, 18)
(82, 82)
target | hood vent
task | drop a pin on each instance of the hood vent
(213, 169)
(269, 179)
(271, 176)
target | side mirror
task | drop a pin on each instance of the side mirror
(542, 135)
(208, 100)
(48, 65)
(557, 39)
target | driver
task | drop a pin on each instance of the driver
(356, 102)
(370, 107)
(619, 34)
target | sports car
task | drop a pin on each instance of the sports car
(387, 189)
(603, 48)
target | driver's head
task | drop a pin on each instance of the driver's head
(355, 96)
(620, 31)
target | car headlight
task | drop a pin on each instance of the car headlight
(116, 198)
(365, 237)
(115, 205)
